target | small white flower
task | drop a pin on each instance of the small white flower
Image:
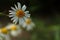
(9, 26)
(28, 24)
(4, 34)
(12, 26)
(15, 29)
(19, 14)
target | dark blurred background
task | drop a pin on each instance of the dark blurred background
(45, 13)
(45, 9)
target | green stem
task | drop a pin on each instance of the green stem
(3, 14)
(57, 35)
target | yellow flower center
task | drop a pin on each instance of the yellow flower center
(20, 13)
(28, 21)
(4, 30)
(13, 27)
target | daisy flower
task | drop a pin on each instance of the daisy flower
(18, 14)
(14, 30)
(28, 24)
(4, 34)
(4, 30)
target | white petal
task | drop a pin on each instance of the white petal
(11, 11)
(24, 8)
(14, 33)
(29, 27)
(24, 25)
(11, 15)
(16, 20)
(13, 8)
(21, 21)
(25, 18)
(19, 5)
(27, 15)
(16, 7)
(26, 12)
(13, 18)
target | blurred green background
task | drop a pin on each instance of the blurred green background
(44, 13)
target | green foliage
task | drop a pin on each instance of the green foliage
(43, 32)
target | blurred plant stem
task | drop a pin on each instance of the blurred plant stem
(3, 14)
(57, 34)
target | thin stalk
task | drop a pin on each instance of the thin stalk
(3, 14)
(57, 34)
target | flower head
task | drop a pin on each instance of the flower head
(28, 24)
(13, 27)
(18, 14)
(15, 30)
(4, 30)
